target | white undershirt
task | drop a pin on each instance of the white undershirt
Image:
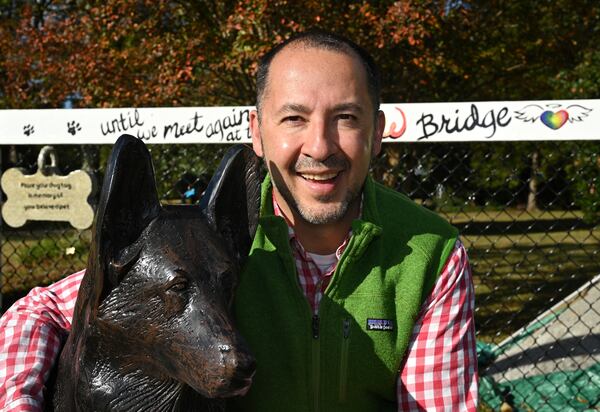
(323, 262)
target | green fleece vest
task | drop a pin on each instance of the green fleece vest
(347, 358)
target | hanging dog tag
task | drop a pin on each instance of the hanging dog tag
(45, 195)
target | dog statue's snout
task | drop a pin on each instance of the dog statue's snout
(236, 373)
(236, 360)
(240, 362)
(246, 365)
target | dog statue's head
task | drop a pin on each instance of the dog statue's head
(160, 280)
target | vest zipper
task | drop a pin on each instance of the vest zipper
(344, 359)
(316, 360)
(316, 349)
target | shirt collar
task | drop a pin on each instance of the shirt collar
(292, 235)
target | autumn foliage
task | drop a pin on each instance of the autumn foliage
(146, 53)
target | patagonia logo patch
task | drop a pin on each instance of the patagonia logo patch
(380, 324)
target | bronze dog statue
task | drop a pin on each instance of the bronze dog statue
(152, 327)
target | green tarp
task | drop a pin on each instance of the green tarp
(561, 391)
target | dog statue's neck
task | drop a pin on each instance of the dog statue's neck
(110, 389)
(106, 379)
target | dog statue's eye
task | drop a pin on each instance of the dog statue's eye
(177, 285)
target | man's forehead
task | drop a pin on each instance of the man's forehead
(296, 62)
(300, 48)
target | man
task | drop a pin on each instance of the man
(353, 298)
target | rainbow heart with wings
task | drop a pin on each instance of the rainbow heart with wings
(553, 115)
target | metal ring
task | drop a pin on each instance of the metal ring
(45, 152)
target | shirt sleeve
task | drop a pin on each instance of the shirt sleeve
(32, 332)
(440, 369)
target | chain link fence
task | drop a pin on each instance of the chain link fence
(528, 216)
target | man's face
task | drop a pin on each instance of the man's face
(317, 132)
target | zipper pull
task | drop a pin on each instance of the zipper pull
(346, 328)
(315, 326)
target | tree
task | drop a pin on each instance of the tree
(144, 53)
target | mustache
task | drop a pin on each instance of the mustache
(305, 163)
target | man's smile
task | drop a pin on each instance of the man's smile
(321, 183)
(319, 176)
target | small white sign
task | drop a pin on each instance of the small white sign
(48, 197)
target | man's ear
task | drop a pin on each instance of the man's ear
(378, 133)
(255, 131)
(231, 202)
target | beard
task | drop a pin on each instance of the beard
(327, 210)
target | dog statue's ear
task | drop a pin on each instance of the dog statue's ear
(128, 203)
(231, 201)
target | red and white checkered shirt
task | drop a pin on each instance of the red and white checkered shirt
(440, 369)
(439, 372)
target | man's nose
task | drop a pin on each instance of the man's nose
(320, 141)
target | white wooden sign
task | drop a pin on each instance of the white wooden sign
(406, 122)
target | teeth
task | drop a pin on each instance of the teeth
(319, 177)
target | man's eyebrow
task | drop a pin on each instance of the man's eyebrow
(353, 107)
(300, 108)
(293, 108)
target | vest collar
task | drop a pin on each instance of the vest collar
(368, 226)
(364, 229)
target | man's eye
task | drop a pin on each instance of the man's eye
(346, 116)
(292, 119)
